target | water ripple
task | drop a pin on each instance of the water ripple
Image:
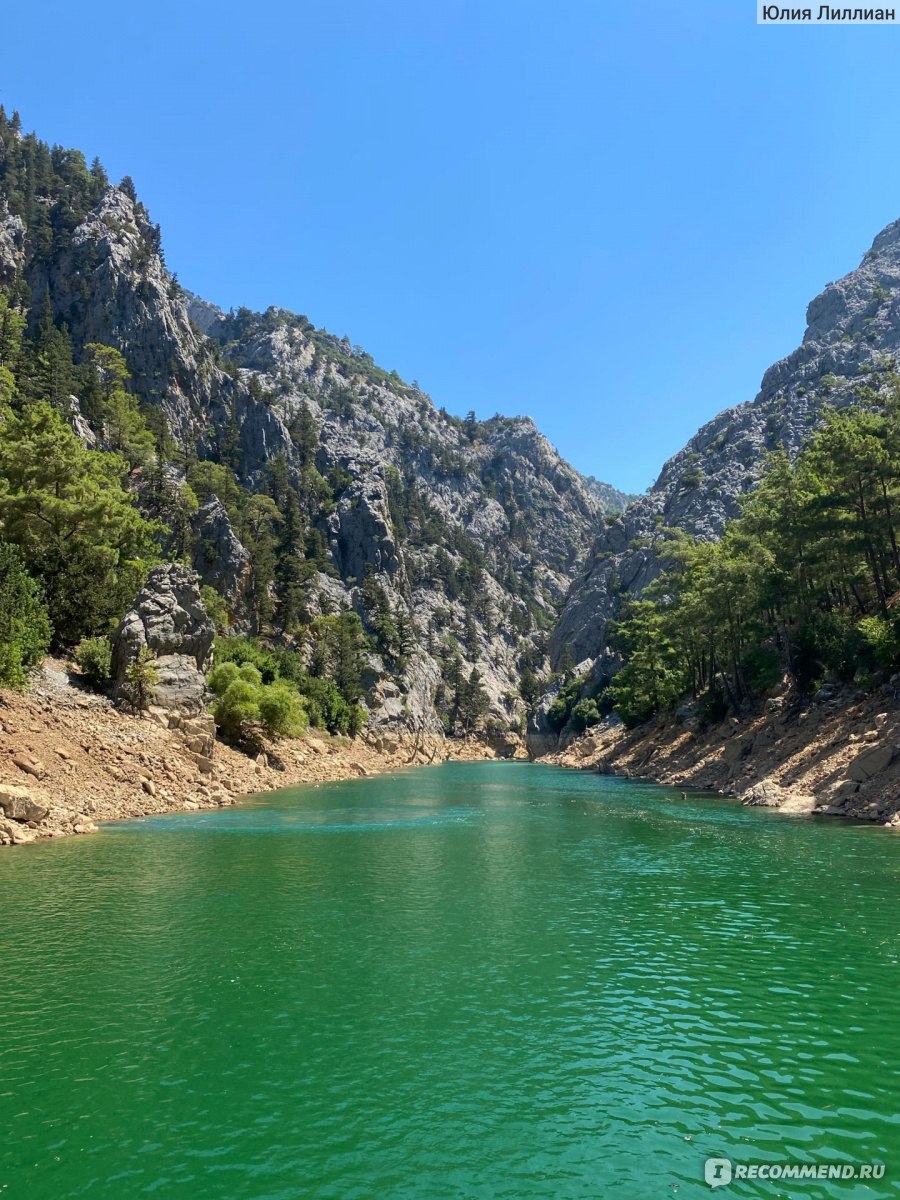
(521, 982)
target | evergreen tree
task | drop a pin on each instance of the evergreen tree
(115, 410)
(76, 527)
(474, 701)
(24, 623)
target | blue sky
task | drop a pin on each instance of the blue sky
(609, 216)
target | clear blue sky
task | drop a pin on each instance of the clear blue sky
(609, 216)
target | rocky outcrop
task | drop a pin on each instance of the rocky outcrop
(361, 534)
(610, 499)
(852, 339)
(771, 795)
(220, 559)
(12, 245)
(169, 619)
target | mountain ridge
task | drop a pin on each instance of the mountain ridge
(850, 344)
(454, 540)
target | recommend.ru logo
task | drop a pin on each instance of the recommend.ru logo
(718, 1172)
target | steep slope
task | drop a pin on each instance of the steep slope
(470, 531)
(851, 343)
(455, 541)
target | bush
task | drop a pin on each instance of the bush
(321, 700)
(329, 710)
(281, 710)
(216, 608)
(828, 643)
(237, 709)
(94, 658)
(712, 707)
(882, 640)
(142, 677)
(221, 677)
(762, 668)
(584, 714)
(245, 701)
(24, 623)
(245, 650)
(630, 701)
(356, 719)
(560, 711)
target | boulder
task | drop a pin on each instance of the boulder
(506, 745)
(736, 750)
(11, 833)
(27, 763)
(200, 734)
(19, 804)
(844, 791)
(180, 685)
(767, 794)
(870, 762)
(168, 617)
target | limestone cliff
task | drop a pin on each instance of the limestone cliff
(464, 534)
(851, 342)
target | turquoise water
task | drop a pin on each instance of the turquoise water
(474, 980)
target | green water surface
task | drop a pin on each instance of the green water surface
(473, 980)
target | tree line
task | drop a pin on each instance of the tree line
(803, 587)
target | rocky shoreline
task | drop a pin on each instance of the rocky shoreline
(836, 756)
(69, 760)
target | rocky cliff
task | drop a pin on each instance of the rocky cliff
(851, 343)
(463, 535)
(471, 530)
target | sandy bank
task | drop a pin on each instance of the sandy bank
(69, 759)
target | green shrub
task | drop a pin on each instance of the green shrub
(584, 714)
(827, 643)
(322, 701)
(216, 608)
(245, 701)
(24, 624)
(222, 676)
(245, 650)
(142, 677)
(251, 674)
(881, 637)
(94, 658)
(327, 707)
(237, 709)
(762, 667)
(281, 710)
(712, 706)
(566, 700)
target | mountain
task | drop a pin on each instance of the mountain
(848, 352)
(610, 498)
(454, 540)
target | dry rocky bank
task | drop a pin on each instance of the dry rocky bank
(839, 756)
(70, 759)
